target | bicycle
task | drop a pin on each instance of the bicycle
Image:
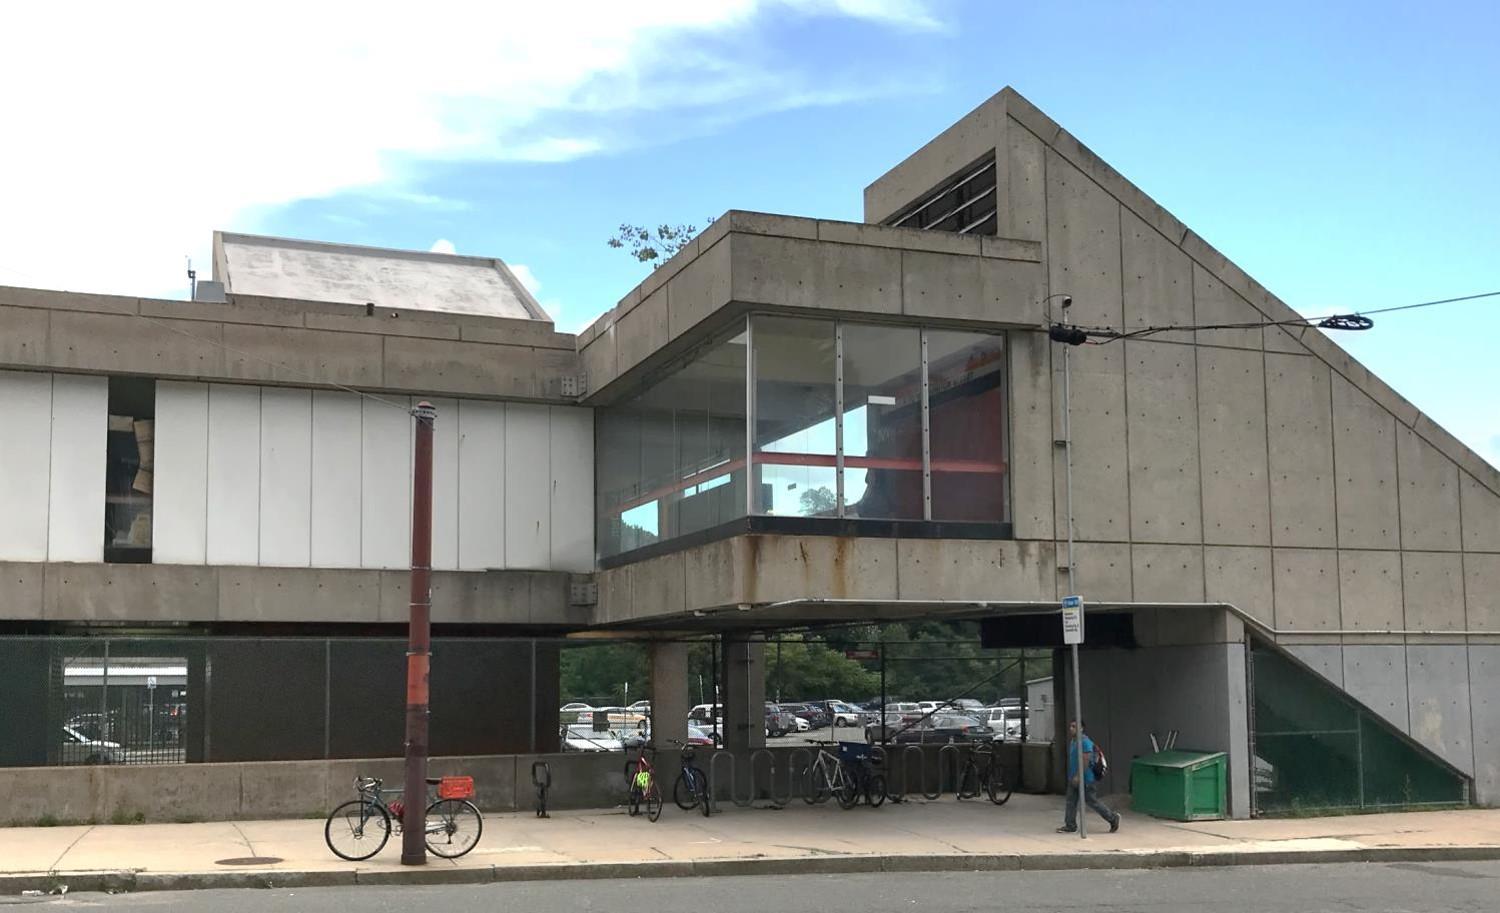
(863, 777)
(691, 789)
(827, 777)
(641, 779)
(982, 772)
(359, 828)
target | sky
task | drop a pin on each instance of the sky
(1343, 154)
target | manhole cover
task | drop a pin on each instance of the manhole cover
(249, 860)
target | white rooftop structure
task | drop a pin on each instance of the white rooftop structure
(350, 274)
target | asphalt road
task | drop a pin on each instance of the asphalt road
(1368, 888)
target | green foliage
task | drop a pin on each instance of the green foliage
(797, 669)
(817, 501)
(653, 245)
(597, 673)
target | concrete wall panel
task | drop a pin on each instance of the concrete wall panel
(791, 567)
(1482, 592)
(385, 493)
(1232, 425)
(481, 479)
(1370, 590)
(1375, 675)
(1215, 303)
(285, 477)
(25, 463)
(301, 594)
(1299, 423)
(1429, 495)
(1031, 447)
(1481, 514)
(467, 367)
(1240, 576)
(1167, 573)
(233, 474)
(528, 517)
(23, 336)
(1307, 589)
(1325, 659)
(944, 285)
(179, 501)
(1484, 694)
(336, 517)
(445, 490)
(643, 331)
(1364, 449)
(271, 354)
(1165, 493)
(974, 569)
(1158, 287)
(801, 273)
(699, 290)
(21, 589)
(130, 592)
(1083, 244)
(1100, 468)
(1026, 214)
(572, 489)
(1433, 591)
(1438, 679)
(1104, 571)
(75, 500)
(659, 586)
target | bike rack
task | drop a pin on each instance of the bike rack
(734, 764)
(541, 778)
(791, 774)
(958, 768)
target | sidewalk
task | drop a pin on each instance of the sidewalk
(942, 835)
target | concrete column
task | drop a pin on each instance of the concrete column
(669, 693)
(1238, 722)
(744, 686)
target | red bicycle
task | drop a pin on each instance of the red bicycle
(641, 777)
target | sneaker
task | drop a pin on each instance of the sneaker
(1115, 824)
(1067, 830)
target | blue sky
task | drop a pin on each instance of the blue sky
(1344, 154)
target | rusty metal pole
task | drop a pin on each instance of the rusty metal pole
(418, 651)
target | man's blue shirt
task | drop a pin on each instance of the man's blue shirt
(1088, 749)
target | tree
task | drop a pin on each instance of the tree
(653, 245)
(816, 501)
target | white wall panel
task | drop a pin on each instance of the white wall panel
(179, 521)
(385, 496)
(528, 525)
(481, 482)
(337, 469)
(25, 464)
(80, 422)
(572, 489)
(444, 485)
(285, 477)
(233, 474)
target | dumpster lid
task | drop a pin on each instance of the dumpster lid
(1179, 758)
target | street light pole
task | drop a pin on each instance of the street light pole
(419, 649)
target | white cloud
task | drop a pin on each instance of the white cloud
(442, 246)
(134, 130)
(527, 278)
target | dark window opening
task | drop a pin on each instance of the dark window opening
(130, 460)
(963, 204)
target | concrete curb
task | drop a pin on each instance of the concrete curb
(433, 873)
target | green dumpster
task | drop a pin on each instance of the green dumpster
(1181, 785)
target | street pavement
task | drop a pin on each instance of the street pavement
(1370, 887)
(911, 836)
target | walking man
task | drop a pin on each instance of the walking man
(1090, 790)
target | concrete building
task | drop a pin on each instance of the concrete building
(792, 422)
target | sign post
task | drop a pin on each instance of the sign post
(1072, 625)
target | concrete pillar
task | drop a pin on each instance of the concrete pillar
(1238, 721)
(744, 686)
(669, 693)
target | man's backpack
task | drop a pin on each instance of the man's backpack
(1100, 764)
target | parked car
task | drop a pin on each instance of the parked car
(779, 721)
(887, 725)
(582, 737)
(850, 715)
(967, 706)
(78, 748)
(906, 709)
(640, 707)
(940, 728)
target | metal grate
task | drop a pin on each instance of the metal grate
(963, 204)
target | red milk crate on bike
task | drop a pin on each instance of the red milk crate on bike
(456, 788)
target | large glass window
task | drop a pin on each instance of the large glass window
(848, 421)
(1316, 750)
(966, 393)
(671, 461)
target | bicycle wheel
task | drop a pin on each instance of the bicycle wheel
(818, 789)
(653, 802)
(684, 792)
(968, 785)
(999, 786)
(848, 790)
(701, 780)
(633, 805)
(357, 830)
(875, 790)
(453, 827)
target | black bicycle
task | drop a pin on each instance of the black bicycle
(691, 789)
(983, 774)
(863, 775)
(359, 828)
